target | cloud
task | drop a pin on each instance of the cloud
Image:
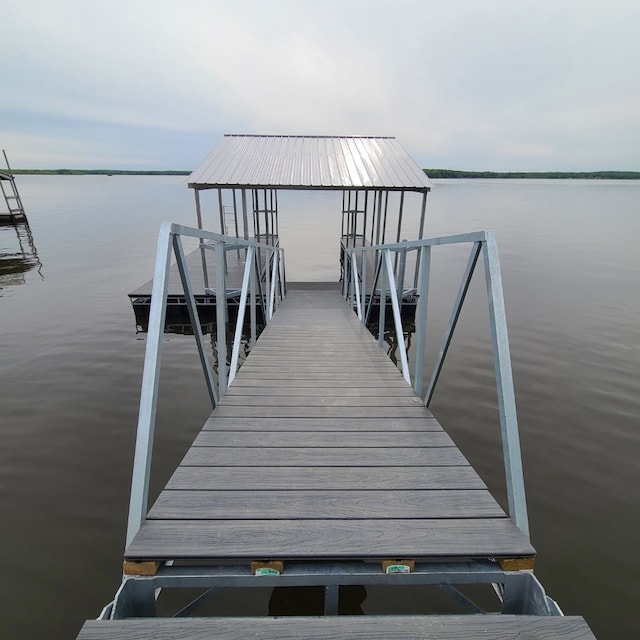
(518, 84)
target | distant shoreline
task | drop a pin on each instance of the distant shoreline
(536, 175)
(432, 173)
(97, 172)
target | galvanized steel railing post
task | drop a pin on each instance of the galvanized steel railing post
(150, 382)
(221, 316)
(356, 284)
(424, 268)
(397, 321)
(237, 339)
(504, 382)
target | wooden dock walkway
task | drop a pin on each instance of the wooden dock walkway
(320, 450)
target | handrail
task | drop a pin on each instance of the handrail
(390, 283)
(169, 241)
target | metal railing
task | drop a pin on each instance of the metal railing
(388, 282)
(264, 265)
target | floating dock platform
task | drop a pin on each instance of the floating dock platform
(321, 464)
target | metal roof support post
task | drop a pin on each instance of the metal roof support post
(245, 225)
(203, 256)
(364, 221)
(504, 383)
(150, 383)
(221, 316)
(420, 234)
(386, 209)
(223, 229)
(455, 315)
(399, 232)
(424, 268)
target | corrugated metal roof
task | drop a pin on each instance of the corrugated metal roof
(309, 162)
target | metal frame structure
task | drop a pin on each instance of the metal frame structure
(11, 196)
(169, 242)
(389, 281)
(517, 592)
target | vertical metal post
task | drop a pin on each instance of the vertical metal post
(203, 257)
(363, 286)
(223, 225)
(237, 339)
(195, 320)
(274, 279)
(221, 317)
(455, 315)
(253, 299)
(504, 383)
(424, 265)
(150, 382)
(356, 285)
(383, 298)
(420, 233)
(397, 321)
(245, 223)
(331, 599)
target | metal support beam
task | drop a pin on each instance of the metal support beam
(150, 383)
(195, 320)
(504, 384)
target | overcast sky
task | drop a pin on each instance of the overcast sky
(464, 84)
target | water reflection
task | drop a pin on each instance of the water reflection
(18, 253)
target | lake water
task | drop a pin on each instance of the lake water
(71, 363)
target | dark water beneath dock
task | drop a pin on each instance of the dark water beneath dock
(71, 363)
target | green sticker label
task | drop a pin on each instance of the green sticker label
(266, 571)
(398, 568)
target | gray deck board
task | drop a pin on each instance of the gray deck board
(315, 504)
(318, 539)
(489, 627)
(321, 450)
(329, 478)
(342, 424)
(323, 457)
(311, 439)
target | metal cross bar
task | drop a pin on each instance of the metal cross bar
(455, 315)
(193, 317)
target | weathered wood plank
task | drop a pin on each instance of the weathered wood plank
(224, 411)
(322, 457)
(441, 627)
(386, 385)
(342, 425)
(322, 439)
(277, 478)
(320, 400)
(311, 391)
(163, 539)
(315, 504)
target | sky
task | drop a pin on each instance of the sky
(502, 85)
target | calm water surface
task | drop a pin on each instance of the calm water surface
(71, 363)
